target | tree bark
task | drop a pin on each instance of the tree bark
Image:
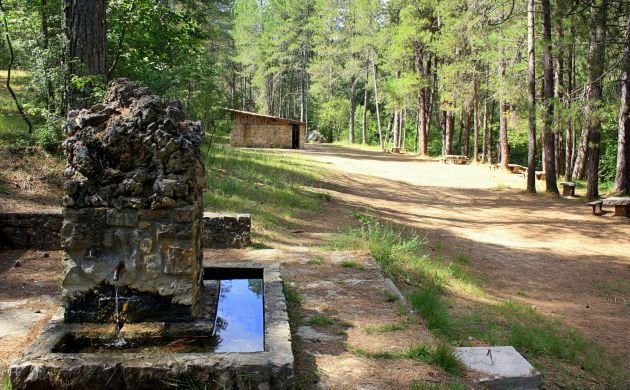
(353, 102)
(490, 131)
(396, 132)
(569, 137)
(443, 131)
(622, 177)
(448, 132)
(475, 119)
(559, 94)
(484, 131)
(595, 71)
(467, 122)
(531, 72)
(84, 25)
(503, 135)
(378, 114)
(548, 135)
(365, 103)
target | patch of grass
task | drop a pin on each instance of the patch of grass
(12, 126)
(430, 304)
(291, 294)
(521, 293)
(275, 186)
(463, 259)
(351, 264)
(260, 245)
(321, 320)
(441, 356)
(611, 288)
(393, 327)
(316, 260)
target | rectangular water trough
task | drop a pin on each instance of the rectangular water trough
(52, 361)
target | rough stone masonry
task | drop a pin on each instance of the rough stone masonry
(132, 208)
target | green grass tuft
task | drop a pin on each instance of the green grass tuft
(291, 294)
(430, 304)
(393, 327)
(321, 320)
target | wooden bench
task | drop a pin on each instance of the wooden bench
(455, 159)
(594, 204)
(494, 167)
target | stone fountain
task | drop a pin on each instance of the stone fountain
(133, 273)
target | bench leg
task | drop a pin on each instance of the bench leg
(594, 209)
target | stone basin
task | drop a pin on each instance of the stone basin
(46, 365)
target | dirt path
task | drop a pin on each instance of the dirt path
(550, 253)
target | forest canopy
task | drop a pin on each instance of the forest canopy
(537, 83)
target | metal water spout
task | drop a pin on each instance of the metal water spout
(118, 270)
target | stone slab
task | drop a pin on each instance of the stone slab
(502, 368)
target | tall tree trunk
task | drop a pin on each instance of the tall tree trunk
(622, 177)
(475, 118)
(484, 134)
(353, 102)
(365, 103)
(378, 114)
(559, 94)
(531, 72)
(443, 121)
(403, 129)
(396, 134)
(450, 128)
(467, 122)
(460, 148)
(569, 137)
(503, 134)
(428, 111)
(548, 136)
(84, 25)
(490, 131)
(595, 71)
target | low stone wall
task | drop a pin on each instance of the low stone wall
(221, 231)
(31, 230)
(40, 230)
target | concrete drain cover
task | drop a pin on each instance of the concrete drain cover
(501, 367)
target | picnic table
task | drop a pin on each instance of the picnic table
(455, 159)
(621, 203)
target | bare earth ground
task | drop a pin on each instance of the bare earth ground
(550, 253)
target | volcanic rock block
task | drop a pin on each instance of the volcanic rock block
(133, 200)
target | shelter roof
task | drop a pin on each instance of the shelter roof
(263, 116)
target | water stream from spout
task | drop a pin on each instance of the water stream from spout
(117, 318)
(120, 342)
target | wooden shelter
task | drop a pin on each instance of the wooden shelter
(252, 130)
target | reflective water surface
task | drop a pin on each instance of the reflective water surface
(239, 324)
